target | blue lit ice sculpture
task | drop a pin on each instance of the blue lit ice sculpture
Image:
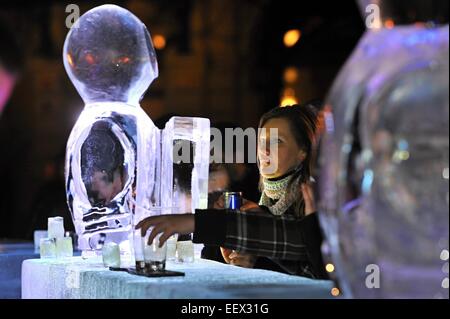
(113, 158)
(384, 192)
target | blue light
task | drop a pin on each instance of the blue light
(367, 181)
(426, 36)
(403, 145)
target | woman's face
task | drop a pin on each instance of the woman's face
(278, 153)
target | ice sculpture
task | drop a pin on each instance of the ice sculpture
(185, 164)
(113, 158)
(384, 192)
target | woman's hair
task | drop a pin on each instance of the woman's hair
(302, 121)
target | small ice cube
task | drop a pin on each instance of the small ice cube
(48, 248)
(185, 251)
(37, 236)
(111, 255)
(55, 227)
(172, 248)
(64, 247)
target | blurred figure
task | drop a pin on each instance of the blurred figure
(10, 64)
(10, 69)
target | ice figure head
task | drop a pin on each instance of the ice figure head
(109, 56)
(389, 13)
(384, 191)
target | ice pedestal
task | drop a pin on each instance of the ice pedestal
(384, 191)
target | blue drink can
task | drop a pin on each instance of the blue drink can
(233, 200)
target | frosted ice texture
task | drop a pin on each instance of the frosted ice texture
(384, 192)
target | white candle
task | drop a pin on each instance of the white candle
(111, 255)
(171, 248)
(185, 251)
(38, 235)
(64, 247)
(56, 227)
(47, 248)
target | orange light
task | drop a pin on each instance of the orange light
(69, 59)
(289, 92)
(123, 60)
(159, 41)
(288, 97)
(420, 25)
(335, 292)
(291, 37)
(389, 23)
(89, 58)
(329, 267)
(288, 101)
(290, 75)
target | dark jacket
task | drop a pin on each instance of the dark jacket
(282, 243)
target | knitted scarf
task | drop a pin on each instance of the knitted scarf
(277, 191)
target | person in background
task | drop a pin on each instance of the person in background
(10, 64)
(282, 232)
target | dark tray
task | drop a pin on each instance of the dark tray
(164, 273)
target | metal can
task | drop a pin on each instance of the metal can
(233, 200)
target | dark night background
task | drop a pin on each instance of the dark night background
(223, 59)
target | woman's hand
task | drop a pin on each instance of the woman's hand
(308, 197)
(237, 259)
(247, 204)
(167, 225)
(242, 260)
(226, 254)
(234, 258)
(219, 203)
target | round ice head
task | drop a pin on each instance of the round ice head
(401, 12)
(109, 56)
